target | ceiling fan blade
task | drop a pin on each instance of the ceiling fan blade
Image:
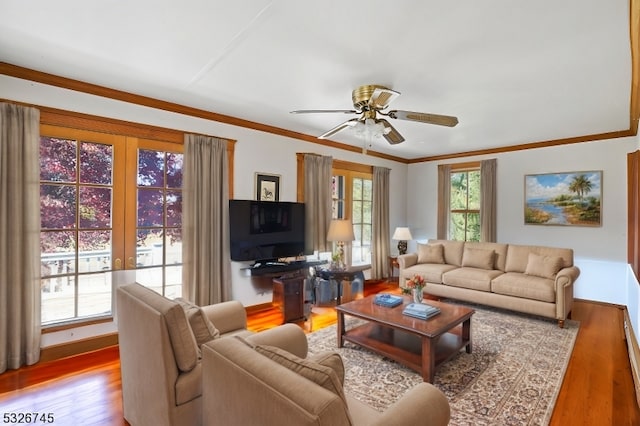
(441, 120)
(382, 97)
(349, 123)
(314, 111)
(393, 136)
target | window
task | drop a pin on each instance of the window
(352, 192)
(464, 217)
(103, 199)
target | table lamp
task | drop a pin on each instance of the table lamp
(341, 230)
(402, 234)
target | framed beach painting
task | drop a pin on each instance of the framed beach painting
(267, 187)
(565, 199)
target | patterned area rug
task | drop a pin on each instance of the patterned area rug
(512, 377)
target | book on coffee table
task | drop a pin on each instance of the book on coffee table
(387, 300)
(420, 310)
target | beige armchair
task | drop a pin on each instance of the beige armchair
(160, 354)
(248, 384)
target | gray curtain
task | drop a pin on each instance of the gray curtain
(488, 228)
(444, 199)
(206, 272)
(380, 219)
(317, 199)
(19, 236)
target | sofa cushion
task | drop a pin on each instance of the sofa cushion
(525, 286)
(332, 360)
(478, 258)
(202, 328)
(431, 272)
(317, 373)
(472, 278)
(430, 253)
(543, 266)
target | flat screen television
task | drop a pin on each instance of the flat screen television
(265, 230)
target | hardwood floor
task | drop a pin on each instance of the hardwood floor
(598, 388)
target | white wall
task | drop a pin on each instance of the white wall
(600, 252)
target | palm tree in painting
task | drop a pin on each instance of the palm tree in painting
(580, 185)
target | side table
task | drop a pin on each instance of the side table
(393, 263)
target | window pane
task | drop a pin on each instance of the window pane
(174, 170)
(95, 207)
(57, 160)
(366, 212)
(367, 189)
(357, 212)
(96, 163)
(94, 251)
(473, 227)
(149, 247)
(94, 294)
(150, 168)
(57, 252)
(459, 191)
(337, 209)
(357, 189)
(174, 246)
(457, 226)
(57, 299)
(150, 207)
(174, 208)
(57, 206)
(150, 277)
(474, 190)
(173, 279)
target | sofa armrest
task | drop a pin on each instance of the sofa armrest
(289, 337)
(227, 316)
(406, 260)
(424, 404)
(567, 276)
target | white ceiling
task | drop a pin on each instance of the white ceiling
(513, 72)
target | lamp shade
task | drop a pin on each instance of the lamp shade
(402, 234)
(340, 230)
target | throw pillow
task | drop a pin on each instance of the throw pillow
(478, 258)
(543, 266)
(317, 373)
(183, 343)
(430, 253)
(332, 360)
(202, 328)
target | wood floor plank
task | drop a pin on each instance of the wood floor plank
(598, 387)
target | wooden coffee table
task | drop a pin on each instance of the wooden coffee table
(421, 345)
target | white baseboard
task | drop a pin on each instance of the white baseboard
(634, 353)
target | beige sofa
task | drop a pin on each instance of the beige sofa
(160, 344)
(248, 384)
(531, 279)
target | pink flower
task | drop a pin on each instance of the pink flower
(416, 282)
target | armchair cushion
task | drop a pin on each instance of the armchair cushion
(202, 328)
(430, 253)
(332, 360)
(317, 373)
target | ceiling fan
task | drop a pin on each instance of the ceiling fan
(371, 100)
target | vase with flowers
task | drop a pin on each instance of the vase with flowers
(414, 287)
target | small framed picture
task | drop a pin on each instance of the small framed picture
(267, 187)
